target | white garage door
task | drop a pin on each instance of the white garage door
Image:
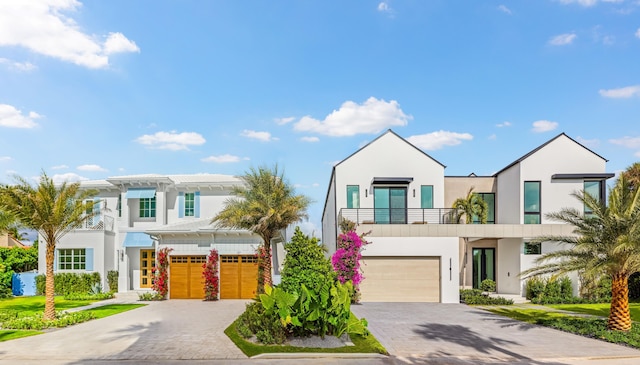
(400, 279)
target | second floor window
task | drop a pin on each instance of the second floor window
(593, 188)
(532, 202)
(490, 199)
(148, 207)
(353, 196)
(189, 204)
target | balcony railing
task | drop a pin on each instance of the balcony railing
(399, 215)
(98, 223)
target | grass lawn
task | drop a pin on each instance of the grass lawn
(367, 344)
(6, 335)
(588, 327)
(35, 304)
(601, 309)
(111, 309)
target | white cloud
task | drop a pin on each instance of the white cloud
(637, 154)
(621, 93)
(580, 2)
(261, 136)
(19, 66)
(541, 126)
(5, 158)
(628, 142)
(370, 117)
(91, 167)
(310, 139)
(12, 117)
(492, 137)
(504, 9)
(384, 7)
(59, 167)
(503, 124)
(315, 185)
(638, 33)
(562, 39)
(591, 143)
(42, 27)
(437, 140)
(224, 159)
(282, 121)
(118, 43)
(171, 140)
(68, 177)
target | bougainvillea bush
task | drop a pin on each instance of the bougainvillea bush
(161, 275)
(210, 276)
(346, 260)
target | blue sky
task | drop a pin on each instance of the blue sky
(91, 89)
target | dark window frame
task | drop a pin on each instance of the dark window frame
(531, 248)
(532, 213)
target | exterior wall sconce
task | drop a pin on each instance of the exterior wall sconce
(366, 193)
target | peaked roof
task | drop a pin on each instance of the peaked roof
(541, 147)
(389, 131)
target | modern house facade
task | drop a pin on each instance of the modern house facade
(418, 251)
(138, 215)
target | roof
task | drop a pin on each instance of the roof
(201, 225)
(541, 147)
(177, 181)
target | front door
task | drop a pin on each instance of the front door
(484, 265)
(147, 263)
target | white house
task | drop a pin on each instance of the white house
(418, 253)
(141, 214)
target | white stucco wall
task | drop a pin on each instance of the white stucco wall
(444, 247)
(329, 224)
(528, 261)
(508, 265)
(508, 201)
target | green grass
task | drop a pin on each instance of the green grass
(32, 305)
(600, 309)
(588, 327)
(111, 309)
(6, 335)
(367, 344)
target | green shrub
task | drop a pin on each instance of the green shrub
(264, 325)
(36, 322)
(634, 286)
(478, 297)
(112, 280)
(15, 260)
(488, 285)
(534, 287)
(567, 300)
(99, 296)
(70, 283)
(566, 287)
(305, 263)
(595, 288)
(150, 296)
(552, 288)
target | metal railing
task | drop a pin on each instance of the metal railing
(399, 215)
(98, 223)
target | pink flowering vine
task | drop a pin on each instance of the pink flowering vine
(161, 276)
(210, 276)
(346, 260)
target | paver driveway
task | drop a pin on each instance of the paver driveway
(456, 333)
(173, 329)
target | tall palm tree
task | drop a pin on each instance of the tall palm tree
(52, 210)
(265, 205)
(632, 174)
(607, 242)
(472, 206)
(14, 231)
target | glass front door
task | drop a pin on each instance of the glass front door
(147, 263)
(484, 265)
(390, 205)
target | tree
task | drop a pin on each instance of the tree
(52, 210)
(14, 231)
(472, 206)
(265, 205)
(632, 175)
(306, 263)
(607, 242)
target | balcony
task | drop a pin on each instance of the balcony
(398, 215)
(98, 223)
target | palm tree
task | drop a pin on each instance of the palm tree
(14, 231)
(472, 206)
(52, 210)
(607, 242)
(265, 205)
(632, 175)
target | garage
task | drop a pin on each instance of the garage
(185, 277)
(238, 276)
(400, 279)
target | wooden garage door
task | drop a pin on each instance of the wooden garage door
(401, 279)
(238, 276)
(185, 277)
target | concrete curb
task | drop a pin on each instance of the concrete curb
(316, 355)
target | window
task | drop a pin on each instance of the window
(426, 196)
(189, 204)
(490, 199)
(353, 196)
(72, 259)
(148, 207)
(532, 248)
(532, 202)
(593, 188)
(390, 205)
(119, 207)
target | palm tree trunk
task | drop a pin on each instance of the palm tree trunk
(619, 316)
(49, 304)
(264, 264)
